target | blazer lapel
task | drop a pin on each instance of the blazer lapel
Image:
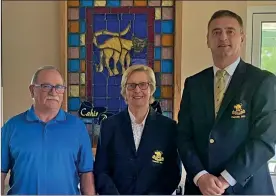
(148, 132)
(127, 131)
(234, 86)
(208, 86)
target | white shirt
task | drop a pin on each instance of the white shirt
(137, 129)
(230, 71)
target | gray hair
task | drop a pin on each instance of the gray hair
(47, 67)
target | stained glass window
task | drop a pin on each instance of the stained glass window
(107, 36)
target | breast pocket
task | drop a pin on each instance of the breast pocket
(158, 157)
(239, 109)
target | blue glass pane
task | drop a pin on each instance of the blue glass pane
(99, 78)
(87, 2)
(82, 52)
(100, 91)
(127, 17)
(168, 114)
(167, 66)
(113, 3)
(74, 103)
(99, 102)
(73, 65)
(114, 91)
(99, 17)
(157, 53)
(82, 26)
(73, 39)
(158, 79)
(157, 93)
(113, 25)
(157, 26)
(140, 26)
(143, 17)
(112, 17)
(123, 103)
(113, 104)
(139, 61)
(167, 26)
(115, 80)
(82, 12)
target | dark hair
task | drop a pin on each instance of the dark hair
(225, 13)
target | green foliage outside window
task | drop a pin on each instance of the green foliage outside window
(269, 59)
(268, 55)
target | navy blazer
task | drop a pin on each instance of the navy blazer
(155, 168)
(241, 139)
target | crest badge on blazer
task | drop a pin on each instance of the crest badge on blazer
(238, 111)
(157, 157)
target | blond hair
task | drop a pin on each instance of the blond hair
(139, 68)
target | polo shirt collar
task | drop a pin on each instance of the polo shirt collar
(31, 116)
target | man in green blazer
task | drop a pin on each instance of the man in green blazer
(227, 118)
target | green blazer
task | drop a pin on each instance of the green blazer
(241, 139)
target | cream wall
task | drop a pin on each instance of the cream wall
(31, 33)
(196, 55)
(30, 38)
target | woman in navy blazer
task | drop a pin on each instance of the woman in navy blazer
(136, 152)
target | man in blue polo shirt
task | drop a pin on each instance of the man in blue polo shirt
(47, 150)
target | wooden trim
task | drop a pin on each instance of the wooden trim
(63, 49)
(177, 58)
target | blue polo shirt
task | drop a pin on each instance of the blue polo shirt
(45, 158)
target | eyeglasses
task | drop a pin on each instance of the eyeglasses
(48, 87)
(142, 86)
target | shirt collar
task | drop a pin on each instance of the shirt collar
(132, 117)
(31, 116)
(229, 69)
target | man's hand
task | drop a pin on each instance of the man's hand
(224, 183)
(210, 185)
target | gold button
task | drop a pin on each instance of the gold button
(212, 141)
